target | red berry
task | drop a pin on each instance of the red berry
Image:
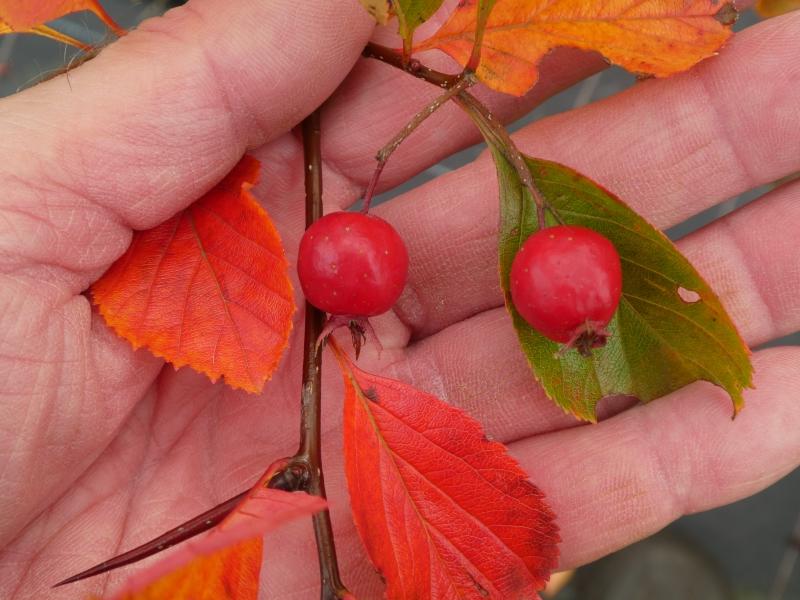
(352, 264)
(566, 281)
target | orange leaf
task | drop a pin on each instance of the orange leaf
(443, 512)
(208, 288)
(225, 563)
(773, 8)
(229, 574)
(655, 37)
(24, 16)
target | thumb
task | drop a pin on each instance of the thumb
(136, 134)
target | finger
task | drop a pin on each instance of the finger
(749, 258)
(669, 148)
(626, 478)
(158, 117)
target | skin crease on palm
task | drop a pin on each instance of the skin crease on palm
(101, 447)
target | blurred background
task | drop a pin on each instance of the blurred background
(744, 551)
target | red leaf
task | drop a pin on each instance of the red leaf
(225, 563)
(443, 512)
(208, 288)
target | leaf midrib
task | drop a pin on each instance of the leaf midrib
(533, 22)
(225, 301)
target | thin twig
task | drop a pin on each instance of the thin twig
(491, 126)
(310, 452)
(462, 83)
(414, 67)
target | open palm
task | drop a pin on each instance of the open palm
(101, 447)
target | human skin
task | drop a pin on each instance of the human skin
(102, 448)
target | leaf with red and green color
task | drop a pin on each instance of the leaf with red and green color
(24, 16)
(443, 511)
(773, 8)
(654, 37)
(208, 288)
(225, 563)
(670, 328)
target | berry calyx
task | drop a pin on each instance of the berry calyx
(566, 282)
(352, 264)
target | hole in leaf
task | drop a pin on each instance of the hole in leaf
(688, 296)
(727, 15)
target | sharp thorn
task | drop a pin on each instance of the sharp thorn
(181, 533)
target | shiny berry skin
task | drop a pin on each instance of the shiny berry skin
(352, 264)
(566, 281)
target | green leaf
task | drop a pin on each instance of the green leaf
(670, 328)
(411, 14)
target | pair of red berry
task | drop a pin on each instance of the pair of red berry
(566, 281)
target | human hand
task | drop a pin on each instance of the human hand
(102, 447)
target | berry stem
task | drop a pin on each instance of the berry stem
(462, 82)
(497, 135)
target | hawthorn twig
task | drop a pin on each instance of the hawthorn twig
(310, 452)
(413, 67)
